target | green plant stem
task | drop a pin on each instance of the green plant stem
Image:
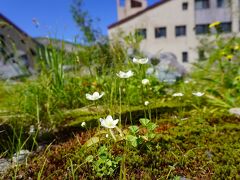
(112, 134)
(120, 106)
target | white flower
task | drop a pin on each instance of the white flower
(146, 103)
(140, 61)
(199, 94)
(106, 135)
(83, 124)
(145, 82)
(122, 74)
(177, 94)
(108, 122)
(31, 129)
(95, 96)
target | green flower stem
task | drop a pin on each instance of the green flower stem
(120, 131)
(120, 105)
(112, 134)
(128, 101)
(96, 106)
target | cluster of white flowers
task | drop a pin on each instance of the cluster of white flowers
(145, 82)
(128, 74)
(146, 103)
(125, 75)
(178, 95)
(109, 122)
(140, 60)
(83, 124)
(199, 94)
(95, 96)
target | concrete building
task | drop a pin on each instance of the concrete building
(17, 50)
(174, 25)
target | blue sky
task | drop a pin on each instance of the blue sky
(54, 16)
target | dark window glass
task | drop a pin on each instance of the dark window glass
(160, 32)
(202, 29)
(142, 32)
(202, 4)
(180, 30)
(184, 6)
(135, 4)
(33, 52)
(221, 3)
(22, 41)
(184, 57)
(226, 27)
(2, 45)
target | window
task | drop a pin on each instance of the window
(160, 32)
(202, 4)
(202, 29)
(221, 3)
(180, 31)
(142, 32)
(135, 4)
(22, 41)
(2, 46)
(33, 53)
(184, 6)
(226, 27)
(184, 57)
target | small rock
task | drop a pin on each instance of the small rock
(209, 154)
(20, 157)
(4, 165)
(183, 178)
(235, 111)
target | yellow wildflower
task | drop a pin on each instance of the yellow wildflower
(236, 47)
(229, 57)
(214, 24)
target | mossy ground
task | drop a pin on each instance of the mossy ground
(194, 146)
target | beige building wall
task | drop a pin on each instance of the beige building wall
(125, 11)
(170, 14)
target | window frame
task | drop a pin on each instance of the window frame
(222, 4)
(205, 4)
(135, 4)
(180, 30)
(185, 6)
(185, 57)
(142, 32)
(205, 27)
(162, 32)
(224, 24)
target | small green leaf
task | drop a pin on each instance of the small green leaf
(151, 136)
(132, 140)
(133, 129)
(151, 126)
(89, 158)
(144, 121)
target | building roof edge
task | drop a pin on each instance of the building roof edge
(137, 14)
